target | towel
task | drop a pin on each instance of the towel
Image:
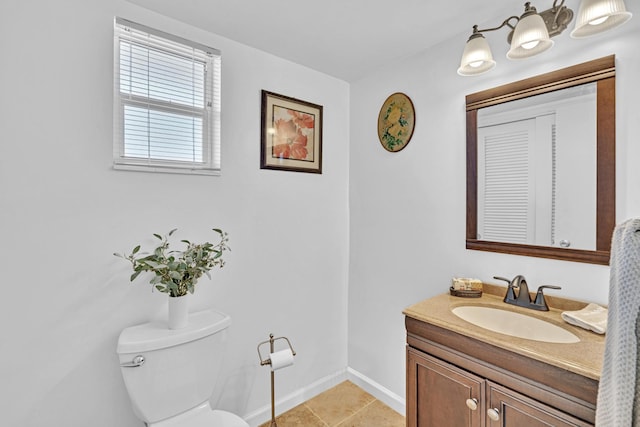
(592, 317)
(619, 391)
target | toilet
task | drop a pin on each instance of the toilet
(170, 375)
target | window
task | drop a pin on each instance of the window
(166, 102)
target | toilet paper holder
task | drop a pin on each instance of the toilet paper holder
(268, 361)
(271, 342)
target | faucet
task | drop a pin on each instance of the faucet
(523, 299)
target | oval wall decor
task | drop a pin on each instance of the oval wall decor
(396, 122)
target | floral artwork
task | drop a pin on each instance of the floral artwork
(291, 134)
(293, 130)
(396, 122)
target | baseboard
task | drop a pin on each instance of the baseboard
(396, 402)
(262, 415)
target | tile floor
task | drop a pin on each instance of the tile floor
(345, 405)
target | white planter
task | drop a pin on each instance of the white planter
(178, 315)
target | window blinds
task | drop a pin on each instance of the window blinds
(506, 193)
(166, 102)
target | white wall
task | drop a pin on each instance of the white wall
(64, 211)
(407, 209)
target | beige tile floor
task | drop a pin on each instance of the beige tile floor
(345, 405)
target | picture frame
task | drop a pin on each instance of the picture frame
(396, 122)
(291, 134)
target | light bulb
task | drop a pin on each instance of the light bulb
(530, 45)
(598, 21)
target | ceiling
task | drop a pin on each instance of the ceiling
(342, 38)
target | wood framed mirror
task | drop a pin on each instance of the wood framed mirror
(597, 77)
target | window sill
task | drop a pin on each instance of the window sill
(166, 169)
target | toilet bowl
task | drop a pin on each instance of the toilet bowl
(170, 375)
(203, 416)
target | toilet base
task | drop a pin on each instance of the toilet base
(203, 416)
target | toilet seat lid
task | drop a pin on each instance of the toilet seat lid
(203, 416)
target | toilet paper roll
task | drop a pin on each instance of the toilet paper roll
(281, 359)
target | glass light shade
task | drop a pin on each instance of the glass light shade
(476, 57)
(597, 16)
(530, 37)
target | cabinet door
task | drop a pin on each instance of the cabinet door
(441, 395)
(506, 408)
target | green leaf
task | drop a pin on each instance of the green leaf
(134, 275)
(172, 231)
(135, 250)
(158, 236)
(155, 265)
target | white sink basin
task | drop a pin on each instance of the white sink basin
(514, 324)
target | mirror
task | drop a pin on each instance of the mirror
(541, 165)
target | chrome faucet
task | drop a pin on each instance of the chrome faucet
(523, 299)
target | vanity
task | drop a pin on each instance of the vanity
(460, 374)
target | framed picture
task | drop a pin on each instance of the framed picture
(291, 134)
(396, 121)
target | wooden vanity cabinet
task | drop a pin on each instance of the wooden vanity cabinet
(439, 392)
(457, 381)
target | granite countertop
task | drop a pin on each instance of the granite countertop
(584, 357)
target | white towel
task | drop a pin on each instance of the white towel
(619, 390)
(592, 317)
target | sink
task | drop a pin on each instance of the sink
(514, 324)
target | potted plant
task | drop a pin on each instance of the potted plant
(176, 272)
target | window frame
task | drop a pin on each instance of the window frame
(134, 33)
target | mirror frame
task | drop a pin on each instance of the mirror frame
(601, 71)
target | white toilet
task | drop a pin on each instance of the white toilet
(171, 374)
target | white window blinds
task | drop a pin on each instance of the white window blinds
(166, 102)
(516, 198)
(506, 194)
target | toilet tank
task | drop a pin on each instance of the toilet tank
(180, 368)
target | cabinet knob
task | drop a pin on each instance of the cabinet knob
(472, 404)
(493, 414)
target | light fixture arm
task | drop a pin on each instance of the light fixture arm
(555, 11)
(505, 23)
(556, 19)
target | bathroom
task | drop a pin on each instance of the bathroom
(330, 260)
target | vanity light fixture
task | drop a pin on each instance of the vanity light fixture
(531, 32)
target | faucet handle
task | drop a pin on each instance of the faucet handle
(540, 295)
(504, 279)
(510, 296)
